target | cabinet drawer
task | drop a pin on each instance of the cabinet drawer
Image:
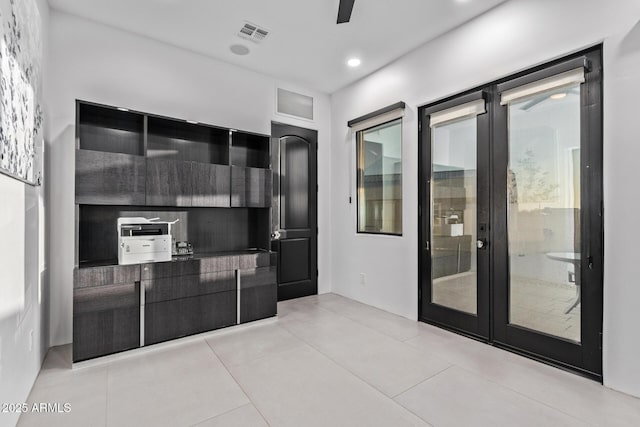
(108, 275)
(159, 270)
(109, 297)
(219, 263)
(167, 320)
(170, 288)
(109, 178)
(262, 276)
(250, 261)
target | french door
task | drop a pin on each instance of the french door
(511, 213)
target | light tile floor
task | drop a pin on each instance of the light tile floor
(325, 361)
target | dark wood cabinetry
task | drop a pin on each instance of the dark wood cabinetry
(210, 185)
(168, 182)
(106, 311)
(188, 297)
(104, 178)
(109, 130)
(258, 293)
(251, 187)
(172, 319)
(131, 164)
(183, 183)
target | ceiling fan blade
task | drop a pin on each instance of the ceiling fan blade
(344, 10)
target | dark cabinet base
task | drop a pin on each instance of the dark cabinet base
(105, 332)
(167, 320)
(106, 319)
(258, 303)
(258, 293)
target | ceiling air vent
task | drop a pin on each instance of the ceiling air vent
(253, 32)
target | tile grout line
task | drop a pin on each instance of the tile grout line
(367, 326)
(277, 351)
(224, 413)
(238, 384)
(451, 365)
(347, 370)
(527, 397)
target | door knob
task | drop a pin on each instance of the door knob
(276, 235)
(481, 244)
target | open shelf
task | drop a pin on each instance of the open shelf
(250, 150)
(179, 140)
(110, 130)
(210, 230)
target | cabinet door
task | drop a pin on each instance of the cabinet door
(251, 187)
(258, 293)
(168, 183)
(167, 320)
(211, 185)
(109, 178)
(106, 319)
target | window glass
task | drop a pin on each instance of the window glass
(379, 158)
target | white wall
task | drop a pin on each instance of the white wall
(97, 63)
(23, 289)
(513, 37)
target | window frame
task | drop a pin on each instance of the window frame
(360, 174)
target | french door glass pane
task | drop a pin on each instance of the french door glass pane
(544, 213)
(453, 215)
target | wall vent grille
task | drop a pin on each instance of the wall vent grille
(294, 104)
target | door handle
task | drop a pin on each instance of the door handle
(276, 235)
(482, 243)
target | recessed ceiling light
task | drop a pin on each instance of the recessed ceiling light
(558, 95)
(123, 109)
(353, 62)
(239, 49)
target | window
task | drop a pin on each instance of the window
(379, 179)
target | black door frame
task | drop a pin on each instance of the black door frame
(280, 130)
(478, 325)
(584, 358)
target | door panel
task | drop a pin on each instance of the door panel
(548, 268)
(543, 194)
(294, 184)
(294, 215)
(453, 215)
(454, 189)
(296, 252)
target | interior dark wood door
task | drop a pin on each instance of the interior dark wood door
(294, 209)
(454, 214)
